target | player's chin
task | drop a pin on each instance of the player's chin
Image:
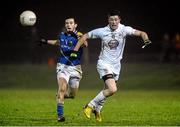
(69, 30)
(114, 27)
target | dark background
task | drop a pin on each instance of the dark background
(18, 44)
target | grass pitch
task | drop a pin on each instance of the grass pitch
(38, 107)
(148, 94)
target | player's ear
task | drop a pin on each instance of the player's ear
(119, 18)
(76, 25)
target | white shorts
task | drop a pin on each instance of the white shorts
(72, 74)
(105, 68)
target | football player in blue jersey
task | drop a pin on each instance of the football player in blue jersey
(69, 72)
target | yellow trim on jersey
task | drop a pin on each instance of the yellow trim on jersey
(79, 34)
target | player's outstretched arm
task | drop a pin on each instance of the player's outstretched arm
(144, 36)
(53, 42)
(45, 41)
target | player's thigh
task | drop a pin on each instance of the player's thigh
(107, 69)
(111, 84)
(103, 69)
(62, 73)
(75, 77)
(74, 82)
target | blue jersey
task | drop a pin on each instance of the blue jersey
(68, 42)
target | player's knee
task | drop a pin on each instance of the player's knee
(57, 95)
(62, 89)
(110, 82)
(62, 85)
(113, 90)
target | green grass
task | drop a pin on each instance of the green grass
(38, 107)
(148, 94)
(133, 76)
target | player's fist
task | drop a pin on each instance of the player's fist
(146, 42)
(42, 41)
(73, 55)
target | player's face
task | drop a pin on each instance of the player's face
(114, 21)
(70, 24)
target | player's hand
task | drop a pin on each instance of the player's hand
(146, 42)
(73, 55)
(42, 41)
(85, 44)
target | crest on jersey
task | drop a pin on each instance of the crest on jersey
(113, 44)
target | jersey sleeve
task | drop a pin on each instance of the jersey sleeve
(95, 33)
(129, 30)
(79, 34)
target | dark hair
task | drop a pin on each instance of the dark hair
(113, 13)
(71, 17)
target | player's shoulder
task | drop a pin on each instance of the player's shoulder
(99, 30)
(122, 26)
(104, 30)
(61, 33)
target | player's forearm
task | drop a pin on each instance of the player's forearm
(81, 41)
(52, 42)
(78, 45)
(142, 34)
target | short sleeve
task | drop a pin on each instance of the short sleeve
(129, 30)
(95, 33)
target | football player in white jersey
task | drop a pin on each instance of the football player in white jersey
(109, 63)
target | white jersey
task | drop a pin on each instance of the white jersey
(113, 42)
